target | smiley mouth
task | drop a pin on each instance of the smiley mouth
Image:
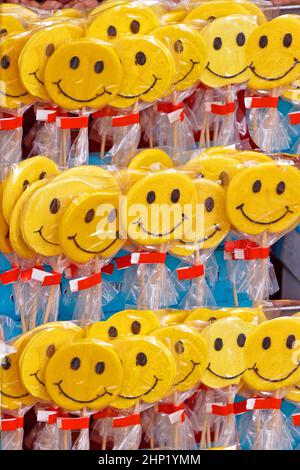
(13, 96)
(273, 79)
(223, 376)
(58, 384)
(144, 92)
(156, 380)
(34, 74)
(226, 76)
(88, 100)
(188, 73)
(256, 371)
(207, 237)
(140, 225)
(13, 396)
(73, 238)
(194, 365)
(37, 378)
(40, 232)
(241, 208)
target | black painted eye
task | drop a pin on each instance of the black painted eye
(49, 50)
(89, 216)
(256, 187)
(141, 359)
(211, 18)
(99, 368)
(112, 332)
(151, 197)
(266, 342)
(211, 319)
(75, 363)
(5, 62)
(241, 340)
(263, 42)
(140, 58)
(50, 350)
(54, 206)
(240, 39)
(136, 327)
(217, 43)
(6, 363)
(218, 344)
(287, 40)
(42, 175)
(3, 31)
(74, 62)
(25, 184)
(209, 204)
(280, 188)
(178, 46)
(179, 347)
(135, 26)
(112, 215)
(175, 196)
(224, 178)
(112, 31)
(99, 66)
(290, 342)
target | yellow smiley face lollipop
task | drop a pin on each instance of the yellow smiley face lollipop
(265, 197)
(124, 323)
(108, 179)
(37, 353)
(84, 374)
(273, 53)
(36, 52)
(225, 339)
(148, 68)
(120, 19)
(272, 355)
(9, 24)
(190, 353)
(151, 159)
(90, 227)
(188, 50)
(149, 370)
(226, 40)
(155, 208)
(209, 11)
(85, 72)
(5, 246)
(18, 11)
(219, 168)
(21, 176)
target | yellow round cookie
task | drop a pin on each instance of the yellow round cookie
(9, 24)
(36, 52)
(80, 74)
(188, 51)
(254, 10)
(154, 212)
(86, 373)
(205, 315)
(248, 157)
(173, 16)
(151, 159)
(149, 370)
(90, 227)
(148, 68)
(225, 340)
(37, 353)
(173, 317)
(273, 53)
(252, 315)
(272, 355)
(219, 168)
(265, 197)
(21, 176)
(189, 351)
(108, 178)
(68, 13)
(127, 18)
(209, 11)
(5, 246)
(124, 323)
(19, 12)
(126, 177)
(226, 40)
(292, 92)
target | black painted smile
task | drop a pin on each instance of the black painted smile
(195, 364)
(241, 208)
(77, 99)
(273, 79)
(144, 394)
(58, 384)
(73, 237)
(222, 376)
(13, 396)
(40, 232)
(37, 378)
(34, 74)
(140, 225)
(188, 73)
(255, 370)
(226, 76)
(13, 96)
(144, 92)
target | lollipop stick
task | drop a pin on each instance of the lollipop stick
(175, 133)
(203, 132)
(103, 145)
(262, 291)
(52, 293)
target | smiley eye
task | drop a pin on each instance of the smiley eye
(141, 359)
(151, 197)
(240, 39)
(280, 188)
(266, 342)
(140, 58)
(54, 206)
(112, 332)
(42, 175)
(89, 216)
(179, 347)
(3, 31)
(136, 327)
(290, 342)
(287, 40)
(263, 42)
(74, 62)
(209, 204)
(99, 66)
(218, 344)
(175, 196)
(224, 178)
(256, 187)
(99, 368)
(25, 184)
(111, 31)
(112, 215)
(49, 50)
(6, 364)
(50, 350)
(211, 18)
(5, 62)
(211, 319)
(241, 340)
(178, 46)
(217, 43)
(75, 363)
(135, 26)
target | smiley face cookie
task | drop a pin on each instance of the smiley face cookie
(265, 197)
(210, 11)
(149, 371)
(109, 180)
(18, 11)
(190, 353)
(226, 40)
(85, 72)
(36, 52)
(219, 167)
(9, 24)
(226, 339)
(5, 246)
(151, 159)
(148, 68)
(272, 355)
(188, 51)
(84, 374)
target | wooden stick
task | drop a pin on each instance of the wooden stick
(175, 133)
(103, 145)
